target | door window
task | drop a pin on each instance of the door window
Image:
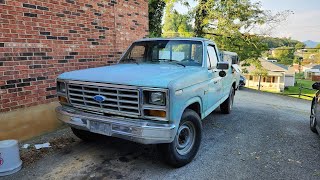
(212, 57)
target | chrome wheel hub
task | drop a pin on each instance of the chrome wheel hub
(185, 138)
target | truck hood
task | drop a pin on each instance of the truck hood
(147, 75)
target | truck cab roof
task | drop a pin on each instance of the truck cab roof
(177, 38)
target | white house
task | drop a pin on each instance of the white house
(311, 70)
(278, 76)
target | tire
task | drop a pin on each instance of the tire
(187, 141)
(313, 122)
(226, 106)
(85, 135)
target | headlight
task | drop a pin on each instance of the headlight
(155, 98)
(61, 87)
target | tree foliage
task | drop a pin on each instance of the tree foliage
(228, 23)
(201, 17)
(259, 71)
(274, 42)
(300, 45)
(284, 54)
(176, 24)
(155, 17)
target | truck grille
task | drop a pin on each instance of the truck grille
(119, 100)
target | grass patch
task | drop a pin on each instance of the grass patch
(294, 91)
(300, 75)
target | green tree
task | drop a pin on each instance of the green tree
(284, 54)
(300, 45)
(155, 17)
(297, 59)
(201, 18)
(316, 49)
(224, 21)
(176, 24)
(259, 71)
(230, 22)
(274, 42)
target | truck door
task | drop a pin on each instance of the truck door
(214, 93)
(227, 80)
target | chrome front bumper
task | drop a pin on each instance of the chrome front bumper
(137, 130)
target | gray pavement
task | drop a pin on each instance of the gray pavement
(266, 136)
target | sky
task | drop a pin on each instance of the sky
(302, 25)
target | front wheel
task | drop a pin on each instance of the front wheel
(227, 105)
(187, 141)
(313, 122)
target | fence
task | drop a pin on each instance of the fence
(315, 77)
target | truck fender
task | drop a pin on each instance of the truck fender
(192, 100)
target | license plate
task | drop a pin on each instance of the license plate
(100, 127)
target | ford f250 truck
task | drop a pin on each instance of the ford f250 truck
(158, 93)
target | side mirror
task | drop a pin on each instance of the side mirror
(222, 65)
(316, 86)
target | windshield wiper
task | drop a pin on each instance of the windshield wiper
(130, 60)
(177, 62)
(170, 60)
(157, 60)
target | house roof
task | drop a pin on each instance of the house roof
(312, 66)
(313, 70)
(275, 74)
(272, 67)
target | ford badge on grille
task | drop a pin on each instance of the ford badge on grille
(99, 98)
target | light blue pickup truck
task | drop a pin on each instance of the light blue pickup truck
(158, 93)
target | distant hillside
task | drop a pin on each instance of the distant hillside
(274, 42)
(310, 44)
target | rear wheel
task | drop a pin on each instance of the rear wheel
(186, 143)
(85, 135)
(313, 122)
(227, 105)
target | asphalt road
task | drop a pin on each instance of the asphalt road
(265, 137)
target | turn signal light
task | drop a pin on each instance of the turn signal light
(62, 99)
(157, 113)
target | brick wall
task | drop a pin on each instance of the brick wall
(40, 39)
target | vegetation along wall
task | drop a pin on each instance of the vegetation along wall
(40, 39)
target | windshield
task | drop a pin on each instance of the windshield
(180, 52)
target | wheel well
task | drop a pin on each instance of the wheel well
(313, 101)
(196, 107)
(234, 85)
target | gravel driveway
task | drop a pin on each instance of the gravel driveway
(266, 136)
